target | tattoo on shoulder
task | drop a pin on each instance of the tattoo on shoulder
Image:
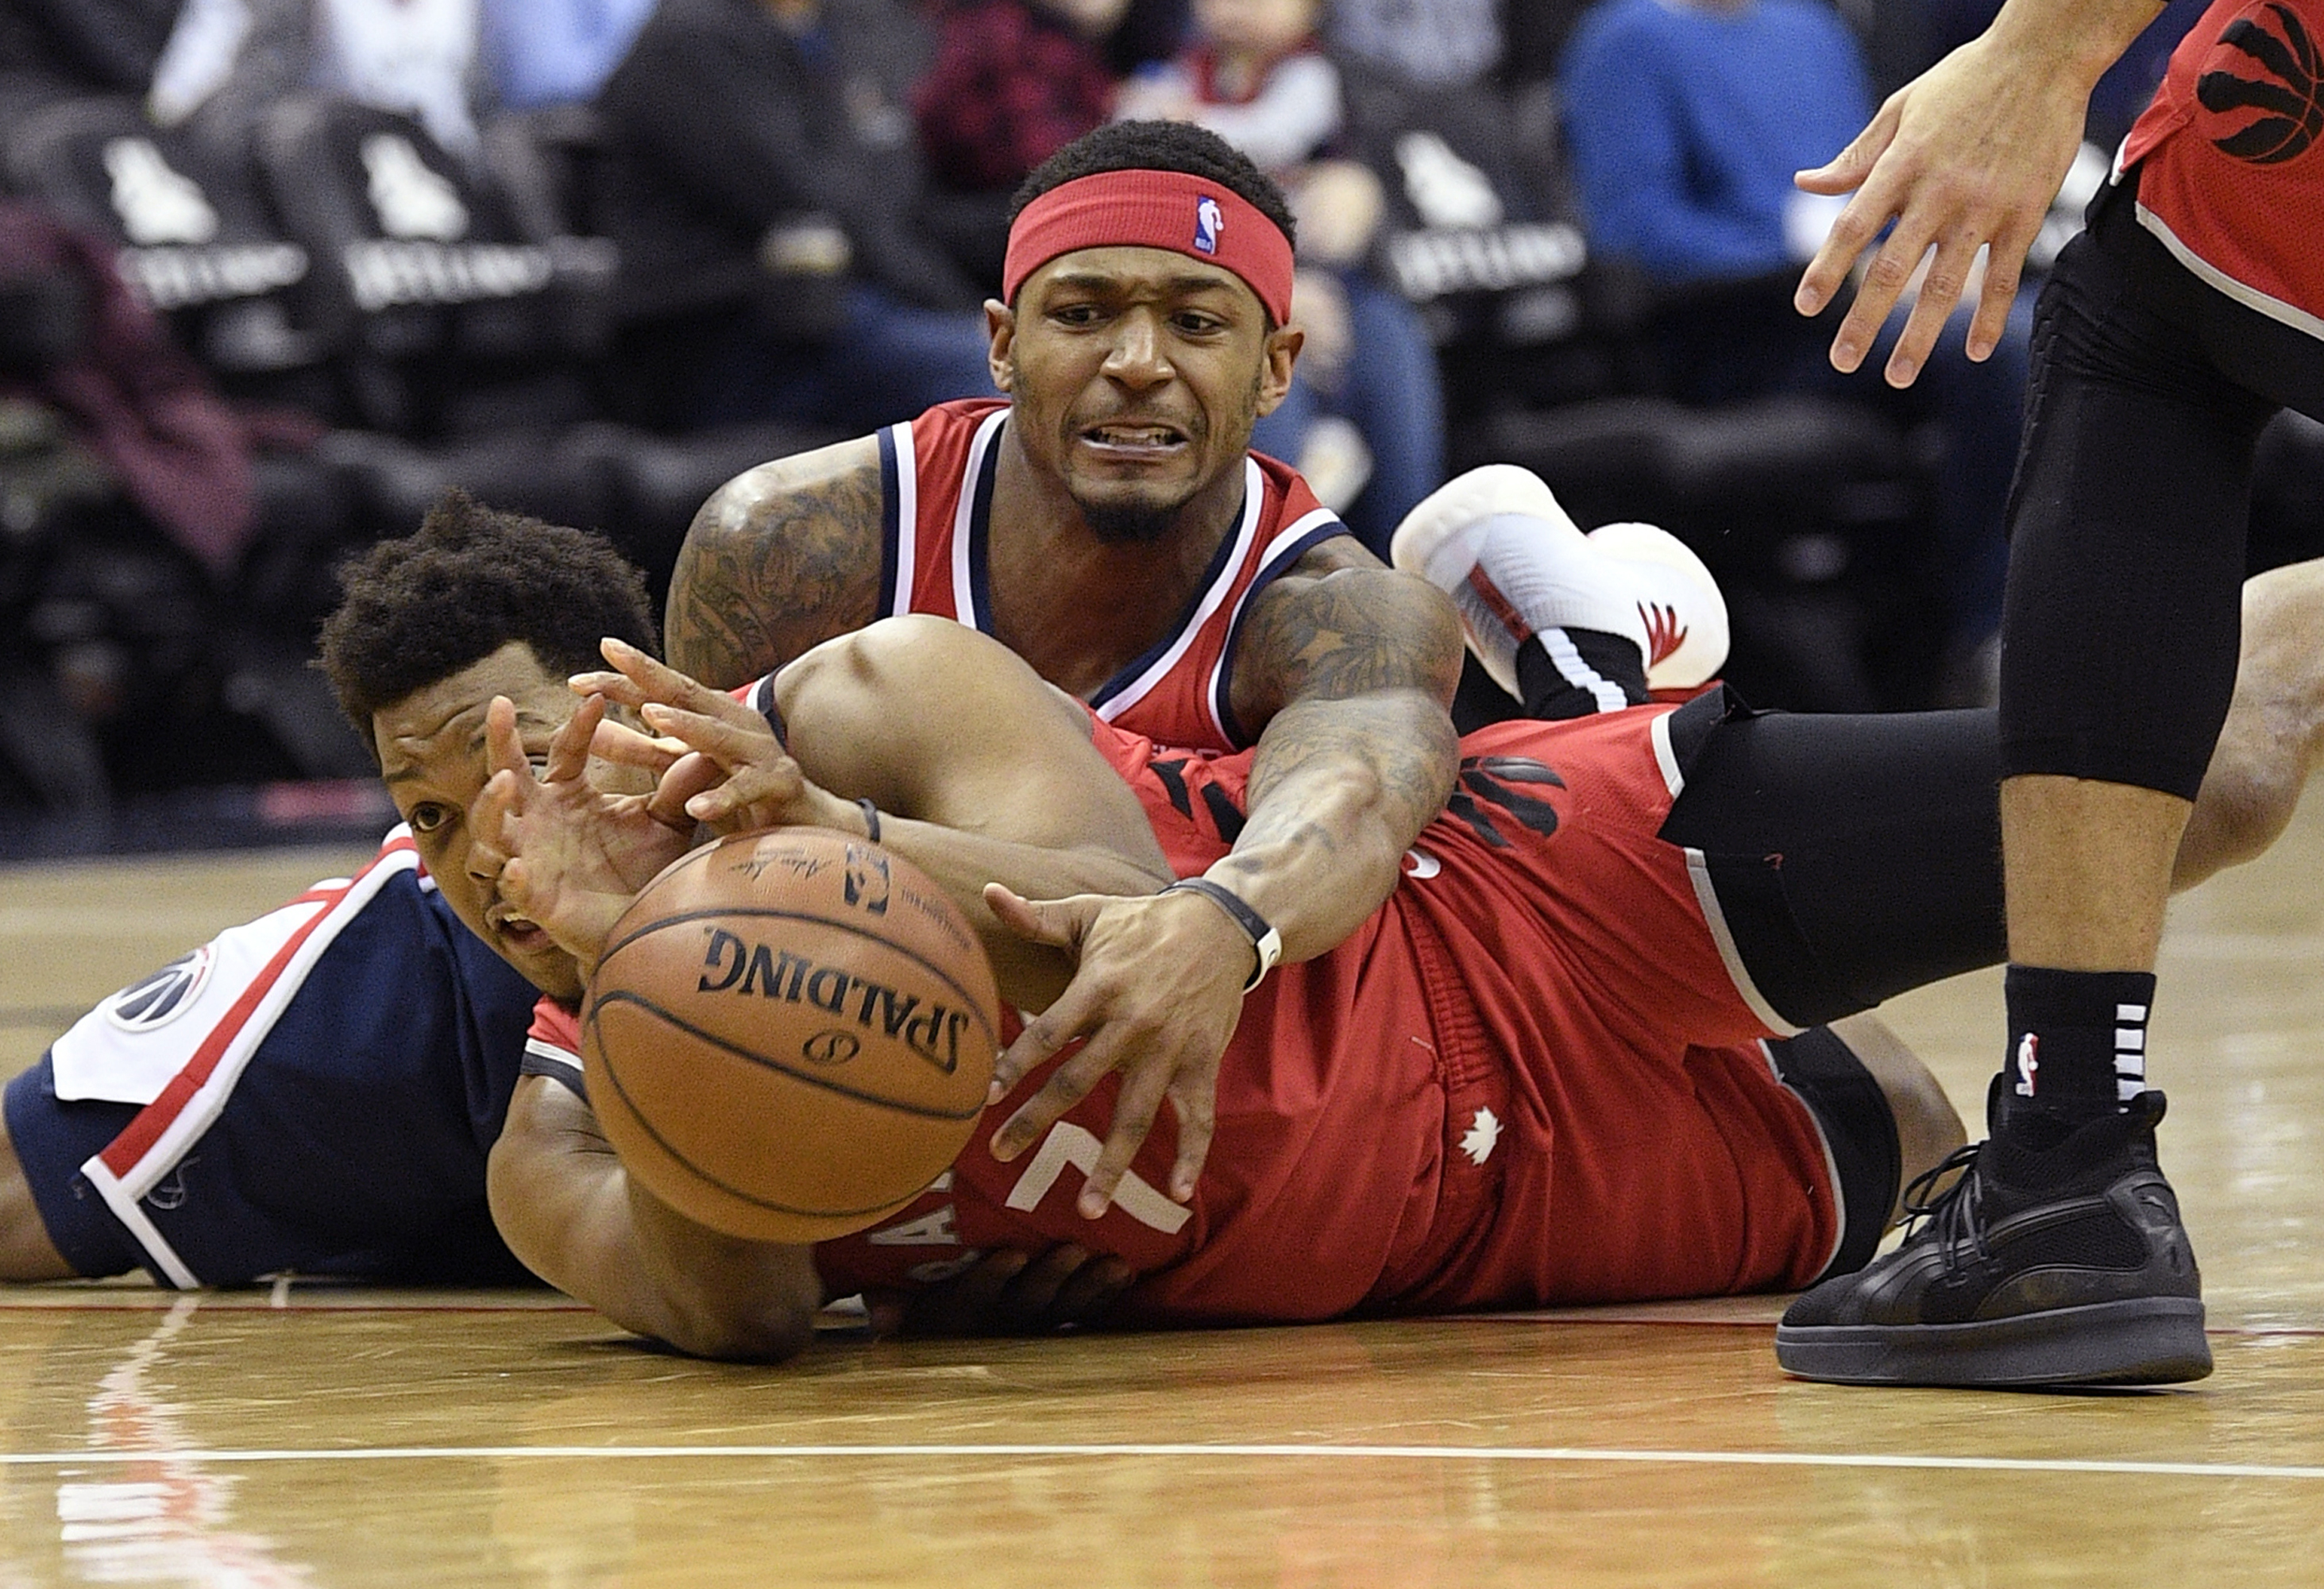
(771, 567)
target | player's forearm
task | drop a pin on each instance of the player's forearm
(1338, 791)
(2068, 40)
(568, 1209)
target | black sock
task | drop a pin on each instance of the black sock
(2076, 1050)
(1573, 672)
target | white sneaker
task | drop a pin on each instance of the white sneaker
(1452, 538)
(1684, 614)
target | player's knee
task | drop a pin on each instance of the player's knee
(1928, 1126)
(2245, 803)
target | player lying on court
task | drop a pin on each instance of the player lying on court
(351, 1136)
(1537, 1075)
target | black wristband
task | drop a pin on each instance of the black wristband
(1264, 941)
(871, 819)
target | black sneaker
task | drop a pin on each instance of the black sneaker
(2063, 1268)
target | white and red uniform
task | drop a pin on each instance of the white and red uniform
(1528, 1079)
(937, 473)
(2232, 185)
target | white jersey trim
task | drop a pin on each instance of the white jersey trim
(2242, 292)
(1254, 508)
(240, 1032)
(964, 520)
(1665, 756)
(908, 520)
(1831, 1164)
(1698, 872)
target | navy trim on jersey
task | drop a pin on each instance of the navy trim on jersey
(979, 538)
(892, 501)
(1132, 672)
(1273, 569)
(762, 701)
(541, 1059)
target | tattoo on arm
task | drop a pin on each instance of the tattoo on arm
(773, 566)
(1349, 634)
(1350, 678)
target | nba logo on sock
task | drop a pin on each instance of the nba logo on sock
(2028, 1067)
(1210, 220)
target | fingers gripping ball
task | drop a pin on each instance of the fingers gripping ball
(789, 1035)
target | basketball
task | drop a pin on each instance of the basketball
(790, 1034)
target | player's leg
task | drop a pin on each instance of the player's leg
(1928, 1129)
(52, 1225)
(1884, 1120)
(1567, 623)
(2059, 1257)
(2273, 738)
(1842, 859)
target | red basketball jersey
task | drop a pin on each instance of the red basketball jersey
(2231, 156)
(936, 473)
(1528, 1079)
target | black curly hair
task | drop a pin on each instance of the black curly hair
(1160, 146)
(423, 607)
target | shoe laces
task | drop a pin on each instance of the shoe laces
(1956, 1215)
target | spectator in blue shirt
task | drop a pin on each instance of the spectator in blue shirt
(1686, 119)
(556, 51)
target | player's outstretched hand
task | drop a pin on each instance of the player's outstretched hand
(719, 762)
(1970, 154)
(558, 850)
(1157, 991)
(1010, 1293)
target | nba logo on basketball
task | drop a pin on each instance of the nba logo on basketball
(1210, 220)
(867, 879)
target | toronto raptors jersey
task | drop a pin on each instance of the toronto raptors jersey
(936, 473)
(2231, 157)
(1526, 1080)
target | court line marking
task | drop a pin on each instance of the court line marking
(1481, 1454)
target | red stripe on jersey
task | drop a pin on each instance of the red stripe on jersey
(137, 1139)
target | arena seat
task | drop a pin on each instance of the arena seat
(194, 237)
(445, 314)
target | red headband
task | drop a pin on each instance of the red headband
(1185, 214)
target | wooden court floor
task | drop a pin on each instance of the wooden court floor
(303, 1435)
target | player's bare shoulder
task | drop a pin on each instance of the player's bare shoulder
(780, 557)
(1340, 623)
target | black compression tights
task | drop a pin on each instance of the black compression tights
(2127, 518)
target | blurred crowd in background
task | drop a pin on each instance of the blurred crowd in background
(274, 274)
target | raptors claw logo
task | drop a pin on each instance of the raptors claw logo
(2292, 102)
(1495, 780)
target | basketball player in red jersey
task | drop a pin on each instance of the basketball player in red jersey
(2169, 333)
(1535, 1074)
(1107, 522)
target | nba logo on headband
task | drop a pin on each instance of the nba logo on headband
(1141, 208)
(1209, 222)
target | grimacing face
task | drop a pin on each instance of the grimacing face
(432, 759)
(1136, 375)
